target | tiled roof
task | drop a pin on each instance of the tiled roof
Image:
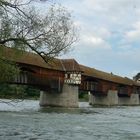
(35, 60)
(64, 65)
(70, 65)
(107, 76)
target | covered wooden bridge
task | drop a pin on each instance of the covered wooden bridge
(109, 89)
(60, 80)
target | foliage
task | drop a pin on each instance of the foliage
(18, 92)
(32, 92)
(8, 69)
(49, 35)
(83, 96)
(23, 27)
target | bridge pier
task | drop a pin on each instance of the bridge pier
(110, 99)
(68, 97)
(132, 100)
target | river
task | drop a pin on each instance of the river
(27, 121)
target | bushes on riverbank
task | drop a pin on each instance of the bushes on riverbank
(83, 96)
(18, 92)
(27, 92)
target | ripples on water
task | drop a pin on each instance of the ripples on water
(27, 121)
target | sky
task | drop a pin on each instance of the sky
(109, 34)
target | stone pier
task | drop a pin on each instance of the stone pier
(132, 100)
(110, 99)
(113, 99)
(68, 97)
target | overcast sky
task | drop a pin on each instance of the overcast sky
(109, 36)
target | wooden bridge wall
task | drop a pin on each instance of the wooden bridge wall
(102, 87)
(49, 79)
(44, 79)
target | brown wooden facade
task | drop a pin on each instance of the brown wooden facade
(99, 83)
(42, 78)
(52, 76)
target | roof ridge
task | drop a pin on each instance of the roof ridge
(63, 67)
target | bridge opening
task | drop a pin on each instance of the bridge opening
(26, 69)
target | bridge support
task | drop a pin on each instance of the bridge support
(113, 99)
(132, 100)
(68, 97)
(110, 99)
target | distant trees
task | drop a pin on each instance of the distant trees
(137, 77)
(18, 92)
(23, 27)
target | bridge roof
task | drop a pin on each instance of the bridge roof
(29, 58)
(69, 65)
(107, 76)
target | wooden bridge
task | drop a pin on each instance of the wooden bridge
(60, 80)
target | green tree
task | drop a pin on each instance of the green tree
(22, 27)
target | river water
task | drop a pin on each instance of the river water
(27, 121)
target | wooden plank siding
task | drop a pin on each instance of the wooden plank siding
(102, 87)
(44, 79)
(52, 74)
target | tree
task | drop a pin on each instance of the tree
(8, 71)
(137, 77)
(23, 27)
